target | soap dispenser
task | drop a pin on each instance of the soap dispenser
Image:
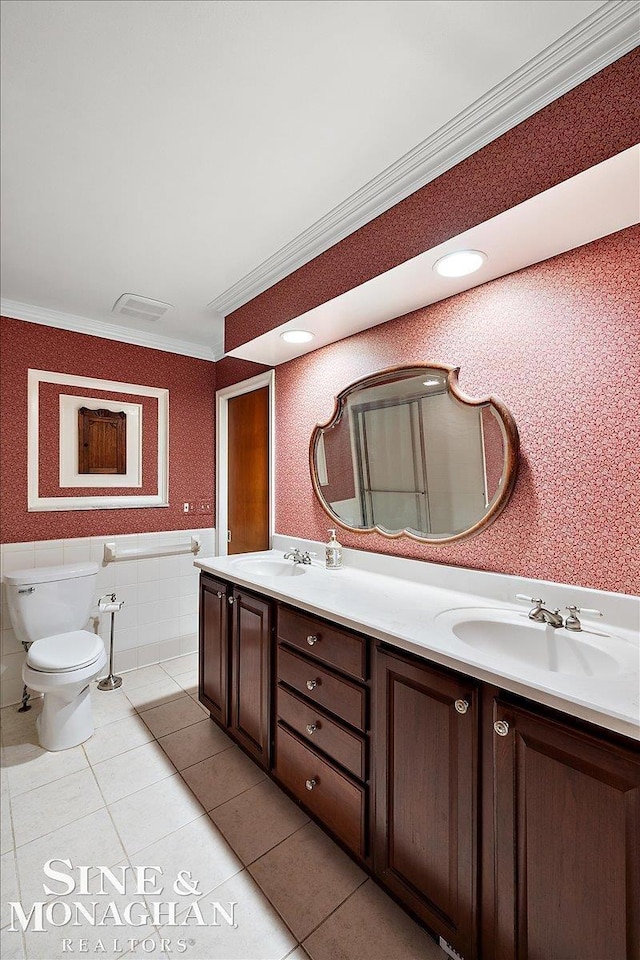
(333, 552)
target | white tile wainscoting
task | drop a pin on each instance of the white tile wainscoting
(159, 619)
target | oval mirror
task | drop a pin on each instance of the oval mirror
(406, 453)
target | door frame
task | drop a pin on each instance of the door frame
(223, 396)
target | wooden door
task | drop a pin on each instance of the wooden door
(213, 673)
(426, 788)
(248, 471)
(567, 840)
(251, 636)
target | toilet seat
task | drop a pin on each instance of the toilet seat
(65, 652)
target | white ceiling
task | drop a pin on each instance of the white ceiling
(167, 148)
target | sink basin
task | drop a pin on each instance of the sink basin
(258, 567)
(508, 635)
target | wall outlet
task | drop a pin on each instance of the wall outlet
(205, 506)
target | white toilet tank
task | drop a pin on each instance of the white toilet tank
(47, 600)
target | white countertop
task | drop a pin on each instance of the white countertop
(403, 612)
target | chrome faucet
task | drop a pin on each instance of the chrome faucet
(298, 557)
(539, 612)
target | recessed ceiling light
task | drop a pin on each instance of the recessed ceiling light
(297, 336)
(460, 263)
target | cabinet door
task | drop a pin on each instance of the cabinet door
(426, 783)
(251, 635)
(567, 828)
(213, 673)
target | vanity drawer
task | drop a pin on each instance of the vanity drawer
(324, 642)
(342, 697)
(313, 725)
(330, 795)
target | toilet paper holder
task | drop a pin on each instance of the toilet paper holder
(109, 604)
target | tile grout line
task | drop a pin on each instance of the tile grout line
(229, 799)
(160, 703)
(153, 782)
(266, 895)
(14, 854)
(117, 833)
(210, 757)
(338, 907)
(95, 763)
(18, 846)
(157, 740)
(276, 845)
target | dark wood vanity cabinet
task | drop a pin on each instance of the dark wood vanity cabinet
(567, 841)
(510, 830)
(234, 678)
(426, 793)
(251, 636)
(213, 672)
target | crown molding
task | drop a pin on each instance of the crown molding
(600, 39)
(108, 331)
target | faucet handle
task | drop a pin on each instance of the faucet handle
(573, 620)
(587, 610)
(526, 599)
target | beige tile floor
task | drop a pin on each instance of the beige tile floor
(160, 785)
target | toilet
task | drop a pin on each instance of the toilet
(48, 607)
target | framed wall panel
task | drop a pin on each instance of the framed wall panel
(91, 493)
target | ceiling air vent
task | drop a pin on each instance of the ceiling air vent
(140, 308)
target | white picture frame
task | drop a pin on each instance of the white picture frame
(36, 503)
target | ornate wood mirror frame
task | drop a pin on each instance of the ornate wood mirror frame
(407, 453)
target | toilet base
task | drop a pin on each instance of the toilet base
(64, 724)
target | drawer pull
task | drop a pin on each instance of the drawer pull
(312, 684)
(312, 727)
(311, 639)
(461, 706)
(310, 784)
(501, 727)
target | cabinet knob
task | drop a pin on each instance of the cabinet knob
(311, 640)
(310, 784)
(220, 594)
(501, 727)
(312, 684)
(311, 728)
(461, 706)
(231, 599)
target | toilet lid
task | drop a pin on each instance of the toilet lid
(65, 651)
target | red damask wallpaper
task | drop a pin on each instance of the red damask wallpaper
(591, 123)
(191, 385)
(559, 343)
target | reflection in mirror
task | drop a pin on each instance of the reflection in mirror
(407, 452)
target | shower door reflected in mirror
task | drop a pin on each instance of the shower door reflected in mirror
(407, 453)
